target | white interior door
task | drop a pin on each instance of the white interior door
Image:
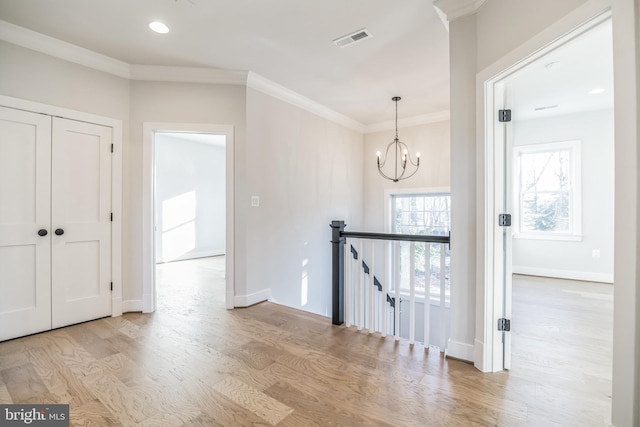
(25, 195)
(80, 222)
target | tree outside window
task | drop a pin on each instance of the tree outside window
(547, 201)
(423, 214)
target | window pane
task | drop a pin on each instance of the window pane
(544, 171)
(545, 212)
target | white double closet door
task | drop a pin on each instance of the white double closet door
(55, 222)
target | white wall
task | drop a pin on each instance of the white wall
(187, 169)
(430, 140)
(307, 172)
(573, 259)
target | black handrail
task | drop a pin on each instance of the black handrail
(397, 237)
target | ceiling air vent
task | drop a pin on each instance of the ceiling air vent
(353, 38)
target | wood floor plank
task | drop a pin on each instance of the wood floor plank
(23, 383)
(92, 414)
(267, 408)
(130, 408)
(5, 397)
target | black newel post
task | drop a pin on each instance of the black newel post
(337, 271)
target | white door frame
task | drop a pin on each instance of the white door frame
(116, 180)
(490, 95)
(148, 203)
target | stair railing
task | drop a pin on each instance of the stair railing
(360, 296)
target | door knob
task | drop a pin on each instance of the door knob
(42, 232)
(59, 231)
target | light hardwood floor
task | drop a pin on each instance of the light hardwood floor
(194, 363)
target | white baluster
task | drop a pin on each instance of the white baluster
(385, 280)
(412, 292)
(359, 287)
(443, 326)
(371, 285)
(396, 284)
(427, 294)
(348, 285)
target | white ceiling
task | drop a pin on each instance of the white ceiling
(286, 41)
(563, 78)
(290, 43)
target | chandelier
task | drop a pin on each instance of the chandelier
(398, 158)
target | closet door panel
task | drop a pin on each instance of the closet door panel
(25, 197)
(81, 209)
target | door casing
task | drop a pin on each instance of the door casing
(148, 203)
(495, 252)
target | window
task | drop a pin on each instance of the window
(423, 213)
(547, 203)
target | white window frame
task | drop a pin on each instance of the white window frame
(388, 224)
(575, 193)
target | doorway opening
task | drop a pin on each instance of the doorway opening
(187, 206)
(550, 166)
(189, 213)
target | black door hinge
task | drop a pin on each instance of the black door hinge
(112, 148)
(504, 220)
(112, 286)
(111, 216)
(504, 116)
(504, 325)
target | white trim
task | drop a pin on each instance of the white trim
(251, 299)
(148, 246)
(454, 9)
(193, 255)
(460, 350)
(479, 356)
(187, 74)
(132, 306)
(264, 85)
(116, 179)
(422, 119)
(59, 49)
(489, 90)
(585, 276)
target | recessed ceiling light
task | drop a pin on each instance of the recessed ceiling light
(158, 27)
(596, 91)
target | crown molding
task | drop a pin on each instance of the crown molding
(29, 39)
(264, 85)
(450, 10)
(57, 48)
(187, 74)
(422, 119)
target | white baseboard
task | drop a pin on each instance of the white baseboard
(564, 274)
(192, 255)
(478, 357)
(251, 299)
(460, 350)
(131, 305)
(116, 307)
